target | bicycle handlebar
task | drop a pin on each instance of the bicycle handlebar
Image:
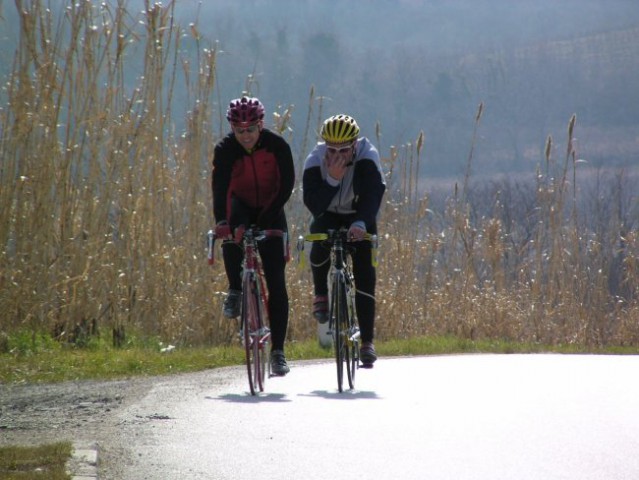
(320, 237)
(331, 236)
(224, 232)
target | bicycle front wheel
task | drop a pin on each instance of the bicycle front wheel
(262, 338)
(251, 331)
(339, 315)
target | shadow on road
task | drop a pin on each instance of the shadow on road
(281, 397)
(346, 395)
(247, 398)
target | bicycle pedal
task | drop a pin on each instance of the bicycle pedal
(367, 366)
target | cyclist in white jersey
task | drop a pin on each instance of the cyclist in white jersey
(343, 186)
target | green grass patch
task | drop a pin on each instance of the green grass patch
(50, 366)
(453, 345)
(39, 462)
(64, 364)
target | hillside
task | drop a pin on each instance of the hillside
(422, 65)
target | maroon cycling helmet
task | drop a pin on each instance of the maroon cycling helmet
(245, 111)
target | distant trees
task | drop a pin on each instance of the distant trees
(413, 66)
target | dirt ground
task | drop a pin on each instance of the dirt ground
(107, 416)
(84, 413)
(34, 414)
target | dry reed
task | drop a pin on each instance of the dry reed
(104, 206)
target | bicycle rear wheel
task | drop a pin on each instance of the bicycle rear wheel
(352, 342)
(262, 338)
(348, 357)
(353, 329)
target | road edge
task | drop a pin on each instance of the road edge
(83, 464)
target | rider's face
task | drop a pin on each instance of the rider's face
(248, 135)
(335, 152)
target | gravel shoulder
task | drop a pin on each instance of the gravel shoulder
(74, 411)
(90, 414)
(107, 416)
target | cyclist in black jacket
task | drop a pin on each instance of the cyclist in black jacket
(253, 178)
(343, 186)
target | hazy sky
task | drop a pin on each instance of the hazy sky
(422, 65)
(394, 62)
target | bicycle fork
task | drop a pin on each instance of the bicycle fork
(353, 333)
(262, 334)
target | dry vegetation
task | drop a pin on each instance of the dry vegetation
(105, 206)
(543, 261)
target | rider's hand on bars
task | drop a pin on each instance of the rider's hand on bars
(356, 233)
(223, 230)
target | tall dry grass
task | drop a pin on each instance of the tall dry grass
(105, 203)
(550, 260)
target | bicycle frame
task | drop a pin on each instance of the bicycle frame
(342, 319)
(253, 314)
(342, 314)
(253, 324)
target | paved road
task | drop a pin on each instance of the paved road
(444, 417)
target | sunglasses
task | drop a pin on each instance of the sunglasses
(250, 129)
(334, 150)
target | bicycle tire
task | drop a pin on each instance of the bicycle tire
(249, 327)
(340, 330)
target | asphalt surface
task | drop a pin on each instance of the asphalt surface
(444, 417)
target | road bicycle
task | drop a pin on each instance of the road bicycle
(342, 320)
(254, 332)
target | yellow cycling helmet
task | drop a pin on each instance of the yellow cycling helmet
(339, 129)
